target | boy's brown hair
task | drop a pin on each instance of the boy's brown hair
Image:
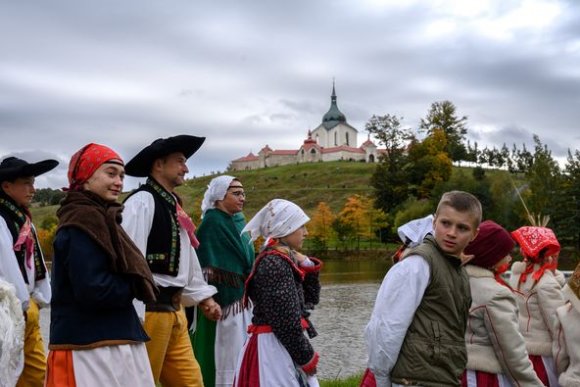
(462, 202)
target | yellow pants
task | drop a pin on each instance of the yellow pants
(34, 355)
(170, 353)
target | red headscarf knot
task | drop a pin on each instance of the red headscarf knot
(86, 161)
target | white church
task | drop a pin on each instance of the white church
(334, 139)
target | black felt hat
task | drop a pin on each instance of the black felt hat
(12, 168)
(140, 165)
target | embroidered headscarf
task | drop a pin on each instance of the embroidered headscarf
(536, 243)
(533, 240)
(276, 219)
(216, 190)
(86, 161)
(412, 234)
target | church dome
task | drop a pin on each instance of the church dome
(334, 116)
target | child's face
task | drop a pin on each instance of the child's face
(453, 230)
(295, 240)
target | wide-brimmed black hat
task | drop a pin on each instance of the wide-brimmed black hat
(12, 168)
(140, 165)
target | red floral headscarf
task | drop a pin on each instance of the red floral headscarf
(534, 240)
(86, 161)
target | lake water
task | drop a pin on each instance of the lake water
(346, 301)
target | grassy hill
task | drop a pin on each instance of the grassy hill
(304, 184)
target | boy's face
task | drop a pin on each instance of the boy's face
(454, 230)
(20, 190)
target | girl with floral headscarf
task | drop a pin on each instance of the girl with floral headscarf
(283, 286)
(96, 337)
(538, 294)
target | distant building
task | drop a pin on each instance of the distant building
(334, 139)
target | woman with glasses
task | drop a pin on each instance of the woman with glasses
(226, 257)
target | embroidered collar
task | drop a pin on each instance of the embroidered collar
(17, 213)
(163, 193)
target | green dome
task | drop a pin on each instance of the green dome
(334, 116)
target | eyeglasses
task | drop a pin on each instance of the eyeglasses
(238, 193)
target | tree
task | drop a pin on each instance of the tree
(442, 115)
(429, 164)
(361, 218)
(544, 178)
(568, 205)
(320, 226)
(390, 178)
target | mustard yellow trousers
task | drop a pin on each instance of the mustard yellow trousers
(34, 355)
(170, 352)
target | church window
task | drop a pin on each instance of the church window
(335, 138)
(347, 142)
(313, 151)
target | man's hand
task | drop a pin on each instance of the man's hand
(211, 309)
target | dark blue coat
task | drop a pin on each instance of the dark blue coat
(91, 306)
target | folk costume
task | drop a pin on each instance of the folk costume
(226, 256)
(11, 335)
(411, 234)
(96, 338)
(496, 350)
(277, 352)
(539, 295)
(424, 299)
(567, 334)
(22, 265)
(156, 222)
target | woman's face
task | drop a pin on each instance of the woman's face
(107, 181)
(234, 200)
(295, 240)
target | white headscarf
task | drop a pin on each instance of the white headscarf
(276, 219)
(216, 190)
(415, 230)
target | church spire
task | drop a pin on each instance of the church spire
(334, 116)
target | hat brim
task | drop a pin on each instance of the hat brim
(140, 165)
(32, 169)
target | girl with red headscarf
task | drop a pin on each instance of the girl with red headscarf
(96, 338)
(538, 294)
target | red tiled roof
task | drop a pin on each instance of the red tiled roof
(249, 157)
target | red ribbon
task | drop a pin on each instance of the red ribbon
(187, 224)
(25, 239)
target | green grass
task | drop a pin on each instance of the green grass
(351, 381)
(304, 184)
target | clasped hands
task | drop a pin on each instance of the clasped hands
(210, 309)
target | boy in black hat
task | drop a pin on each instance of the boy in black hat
(21, 260)
(154, 219)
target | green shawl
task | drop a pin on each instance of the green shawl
(225, 255)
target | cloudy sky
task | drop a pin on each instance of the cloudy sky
(247, 73)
